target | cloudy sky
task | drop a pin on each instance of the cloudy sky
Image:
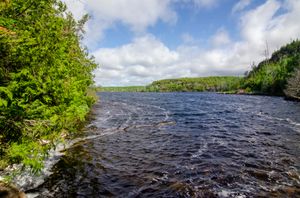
(138, 41)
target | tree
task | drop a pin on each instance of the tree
(44, 78)
(270, 76)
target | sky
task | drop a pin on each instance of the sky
(138, 41)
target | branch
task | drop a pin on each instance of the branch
(21, 13)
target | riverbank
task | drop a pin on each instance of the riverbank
(24, 179)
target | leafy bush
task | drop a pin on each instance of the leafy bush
(270, 76)
(45, 75)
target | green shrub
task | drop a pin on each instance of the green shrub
(270, 76)
(44, 80)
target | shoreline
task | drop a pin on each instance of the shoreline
(23, 179)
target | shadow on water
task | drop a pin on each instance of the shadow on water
(183, 145)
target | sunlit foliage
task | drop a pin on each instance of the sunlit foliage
(271, 75)
(44, 77)
(214, 83)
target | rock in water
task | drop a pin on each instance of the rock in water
(10, 191)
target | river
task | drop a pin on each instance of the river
(183, 145)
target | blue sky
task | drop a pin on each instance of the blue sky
(198, 23)
(138, 41)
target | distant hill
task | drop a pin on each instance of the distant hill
(122, 89)
(214, 83)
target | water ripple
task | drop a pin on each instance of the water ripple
(183, 145)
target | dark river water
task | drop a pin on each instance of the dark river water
(183, 145)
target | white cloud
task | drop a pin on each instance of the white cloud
(221, 38)
(241, 5)
(257, 24)
(199, 3)
(146, 58)
(205, 3)
(188, 39)
(76, 7)
(264, 25)
(136, 14)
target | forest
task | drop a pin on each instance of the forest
(45, 75)
(122, 89)
(213, 83)
(278, 75)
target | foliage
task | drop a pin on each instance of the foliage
(215, 83)
(44, 77)
(270, 76)
(293, 86)
(122, 89)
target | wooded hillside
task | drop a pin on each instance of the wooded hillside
(213, 83)
(271, 76)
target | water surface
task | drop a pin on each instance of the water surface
(183, 145)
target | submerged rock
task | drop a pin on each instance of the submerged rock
(10, 191)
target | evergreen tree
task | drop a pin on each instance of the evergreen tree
(44, 77)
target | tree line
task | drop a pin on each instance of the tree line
(277, 75)
(214, 83)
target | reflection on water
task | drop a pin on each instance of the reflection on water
(183, 145)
